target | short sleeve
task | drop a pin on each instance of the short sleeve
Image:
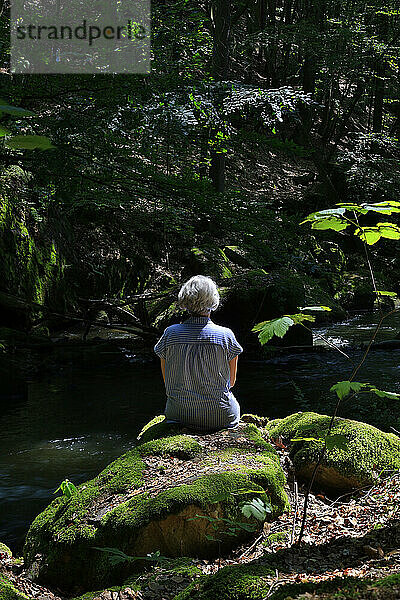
(161, 346)
(234, 348)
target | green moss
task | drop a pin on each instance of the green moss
(182, 446)
(157, 428)
(231, 583)
(369, 449)
(5, 550)
(9, 592)
(249, 582)
(389, 581)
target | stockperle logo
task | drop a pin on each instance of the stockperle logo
(75, 36)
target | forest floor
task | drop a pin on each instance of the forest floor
(356, 535)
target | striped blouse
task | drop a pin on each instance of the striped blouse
(197, 353)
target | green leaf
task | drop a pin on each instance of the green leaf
(383, 394)
(4, 131)
(299, 318)
(330, 223)
(343, 388)
(389, 230)
(316, 308)
(354, 207)
(267, 329)
(67, 488)
(336, 440)
(29, 142)
(324, 214)
(370, 235)
(386, 208)
(15, 111)
(384, 293)
(257, 509)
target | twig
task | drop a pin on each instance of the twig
(252, 546)
(296, 500)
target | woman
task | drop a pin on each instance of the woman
(199, 362)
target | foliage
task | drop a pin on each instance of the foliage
(117, 557)
(67, 488)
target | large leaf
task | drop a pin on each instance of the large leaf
(330, 223)
(323, 214)
(370, 235)
(267, 329)
(385, 293)
(4, 131)
(29, 142)
(389, 230)
(387, 208)
(256, 508)
(343, 388)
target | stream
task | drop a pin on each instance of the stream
(74, 420)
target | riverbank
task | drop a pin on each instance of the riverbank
(354, 538)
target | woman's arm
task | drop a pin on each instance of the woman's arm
(233, 370)
(163, 368)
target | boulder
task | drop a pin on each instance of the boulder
(369, 450)
(169, 494)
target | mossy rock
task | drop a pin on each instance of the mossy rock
(253, 582)
(369, 450)
(149, 500)
(5, 550)
(9, 592)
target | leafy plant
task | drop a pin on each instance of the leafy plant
(67, 488)
(117, 557)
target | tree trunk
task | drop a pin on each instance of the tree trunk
(221, 27)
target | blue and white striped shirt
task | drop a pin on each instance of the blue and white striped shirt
(197, 353)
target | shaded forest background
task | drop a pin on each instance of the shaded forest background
(255, 113)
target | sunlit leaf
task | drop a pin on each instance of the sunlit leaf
(384, 293)
(370, 235)
(316, 308)
(330, 223)
(386, 208)
(343, 388)
(267, 329)
(389, 230)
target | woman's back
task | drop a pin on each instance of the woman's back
(197, 354)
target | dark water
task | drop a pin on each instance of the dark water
(72, 423)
